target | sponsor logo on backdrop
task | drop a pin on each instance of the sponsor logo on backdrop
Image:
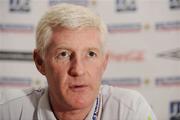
(168, 81)
(174, 4)
(16, 56)
(171, 54)
(126, 5)
(93, 2)
(147, 26)
(175, 110)
(19, 5)
(79, 2)
(15, 81)
(167, 26)
(147, 81)
(131, 56)
(123, 82)
(17, 28)
(124, 28)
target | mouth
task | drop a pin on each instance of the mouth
(78, 88)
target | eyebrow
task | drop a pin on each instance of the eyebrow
(67, 48)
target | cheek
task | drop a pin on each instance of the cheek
(55, 74)
(57, 80)
(96, 71)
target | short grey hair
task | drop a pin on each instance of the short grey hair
(66, 16)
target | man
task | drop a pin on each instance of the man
(70, 53)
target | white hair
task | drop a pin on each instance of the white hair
(66, 16)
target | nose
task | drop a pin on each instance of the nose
(77, 67)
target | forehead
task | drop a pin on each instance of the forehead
(76, 38)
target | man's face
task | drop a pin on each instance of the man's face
(74, 63)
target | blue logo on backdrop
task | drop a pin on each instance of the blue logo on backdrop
(19, 5)
(174, 4)
(16, 28)
(78, 2)
(168, 26)
(15, 81)
(124, 28)
(168, 81)
(175, 110)
(126, 5)
(123, 82)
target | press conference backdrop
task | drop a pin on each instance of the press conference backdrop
(143, 42)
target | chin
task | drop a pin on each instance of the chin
(82, 103)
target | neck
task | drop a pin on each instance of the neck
(69, 114)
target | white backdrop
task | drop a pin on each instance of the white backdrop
(143, 41)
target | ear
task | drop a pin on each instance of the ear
(39, 62)
(106, 60)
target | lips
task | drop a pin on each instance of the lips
(78, 88)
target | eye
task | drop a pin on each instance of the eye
(64, 54)
(92, 54)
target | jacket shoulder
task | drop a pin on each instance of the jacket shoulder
(124, 97)
(11, 95)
